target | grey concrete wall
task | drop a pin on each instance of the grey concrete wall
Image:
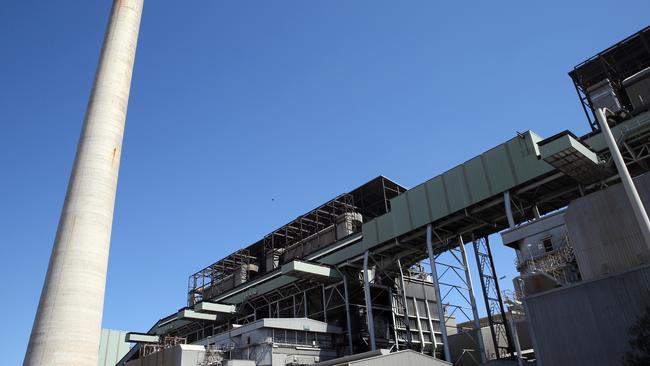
(588, 323)
(604, 232)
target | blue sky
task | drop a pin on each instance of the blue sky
(245, 114)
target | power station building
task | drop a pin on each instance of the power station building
(383, 270)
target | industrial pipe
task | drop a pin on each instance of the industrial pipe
(630, 190)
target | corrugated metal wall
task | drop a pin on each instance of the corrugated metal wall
(604, 232)
(112, 347)
(588, 323)
(493, 172)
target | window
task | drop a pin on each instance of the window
(548, 244)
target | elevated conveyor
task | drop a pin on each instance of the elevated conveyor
(526, 173)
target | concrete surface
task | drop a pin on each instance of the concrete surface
(67, 325)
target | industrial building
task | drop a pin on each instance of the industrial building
(367, 271)
(380, 275)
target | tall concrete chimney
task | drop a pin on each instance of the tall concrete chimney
(68, 321)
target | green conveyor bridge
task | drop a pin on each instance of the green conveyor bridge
(526, 175)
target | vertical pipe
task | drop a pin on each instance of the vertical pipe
(470, 289)
(436, 285)
(347, 312)
(632, 194)
(366, 291)
(67, 324)
(304, 302)
(506, 202)
(324, 304)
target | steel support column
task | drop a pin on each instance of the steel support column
(492, 296)
(436, 285)
(324, 304)
(366, 291)
(347, 312)
(304, 303)
(508, 207)
(470, 290)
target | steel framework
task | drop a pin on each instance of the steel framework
(493, 301)
(616, 63)
(377, 296)
(204, 284)
(454, 281)
(310, 223)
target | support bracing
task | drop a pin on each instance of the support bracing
(347, 312)
(409, 341)
(454, 280)
(436, 285)
(493, 301)
(366, 290)
(470, 290)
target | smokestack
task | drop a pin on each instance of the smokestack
(68, 321)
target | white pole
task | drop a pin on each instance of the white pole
(632, 194)
(68, 321)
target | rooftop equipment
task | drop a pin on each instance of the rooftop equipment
(616, 79)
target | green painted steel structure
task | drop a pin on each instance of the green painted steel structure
(467, 199)
(505, 167)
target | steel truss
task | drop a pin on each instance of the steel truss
(634, 146)
(310, 223)
(493, 301)
(456, 292)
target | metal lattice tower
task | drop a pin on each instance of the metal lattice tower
(492, 297)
